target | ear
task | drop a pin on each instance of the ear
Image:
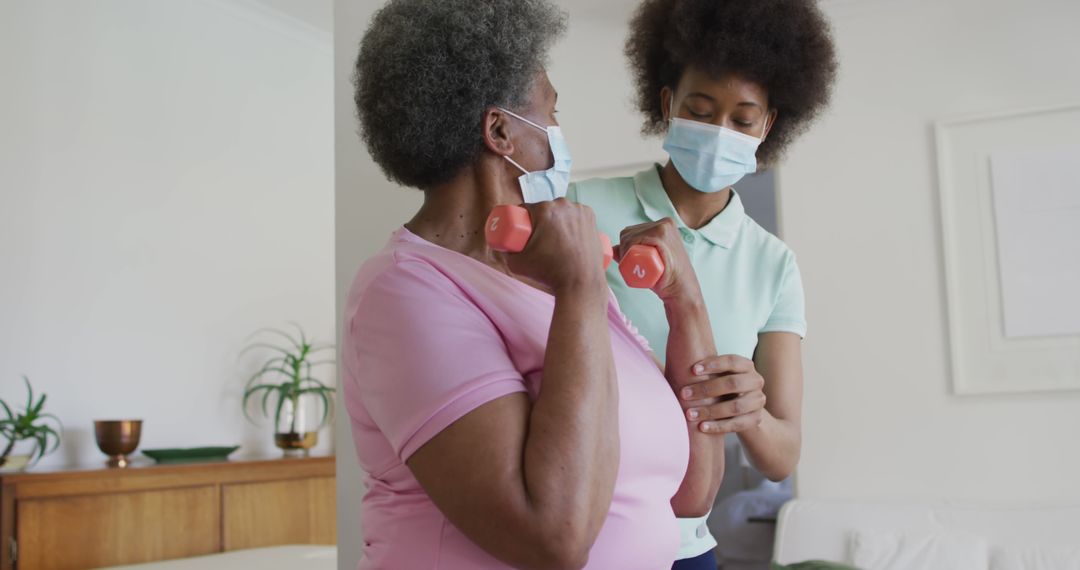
(496, 131)
(666, 96)
(771, 124)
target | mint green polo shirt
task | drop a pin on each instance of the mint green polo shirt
(748, 277)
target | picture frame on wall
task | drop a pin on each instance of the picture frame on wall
(1010, 219)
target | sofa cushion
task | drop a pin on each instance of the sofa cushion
(1035, 558)
(887, 550)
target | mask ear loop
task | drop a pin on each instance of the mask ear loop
(517, 116)
(516, 164)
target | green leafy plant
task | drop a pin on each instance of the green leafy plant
(31, 424)
(288, 376)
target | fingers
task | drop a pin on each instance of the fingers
(560, 207)
(658, 231)
(727, 364)
(718, 386)
(661, 226)
(728, 409)
(569, 222)
(733, 425)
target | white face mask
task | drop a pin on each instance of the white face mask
(708, 157)
(545, 185)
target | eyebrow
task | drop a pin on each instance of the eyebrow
(713, 99)
(702, 95)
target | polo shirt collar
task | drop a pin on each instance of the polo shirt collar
(722, 230)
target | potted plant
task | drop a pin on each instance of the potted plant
(30, 424)
(302, 404)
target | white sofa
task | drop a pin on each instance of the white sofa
(294, 557)
(1028, 539)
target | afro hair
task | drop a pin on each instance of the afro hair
(784, 45)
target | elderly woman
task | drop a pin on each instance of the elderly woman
(504, 409)
(730, 84)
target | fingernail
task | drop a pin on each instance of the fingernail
(698, 369)
(687, 393)
(693, 414)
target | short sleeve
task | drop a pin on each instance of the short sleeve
(426, 355)
(789, 309)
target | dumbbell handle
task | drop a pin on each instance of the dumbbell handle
(509, 227)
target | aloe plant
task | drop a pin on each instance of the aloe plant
(288, 375)
(30, 424)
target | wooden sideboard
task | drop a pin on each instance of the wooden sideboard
(98, 516)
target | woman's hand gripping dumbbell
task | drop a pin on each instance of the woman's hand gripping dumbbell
(509, 228)
(554, 243)
(657, 245)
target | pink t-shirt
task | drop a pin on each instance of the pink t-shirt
(431, 335)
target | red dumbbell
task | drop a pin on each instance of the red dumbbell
(508, 229)
(641, 266)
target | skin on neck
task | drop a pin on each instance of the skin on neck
(731, 101)
(453, 213)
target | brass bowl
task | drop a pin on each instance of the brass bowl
(117, 439)
(296, 443)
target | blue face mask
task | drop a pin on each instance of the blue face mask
(711, 158)
(547, 184)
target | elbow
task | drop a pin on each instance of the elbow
(780, 470)
(535, 548)
(692, 507)
(563, 557)
(560, 552)
(778, 475)
(696, 496)
(561, 544)
(569, 547)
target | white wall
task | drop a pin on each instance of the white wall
(597, 108)
(367, 208)
(166, 181)
(859, 206)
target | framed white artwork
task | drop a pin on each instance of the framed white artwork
(1010, 213)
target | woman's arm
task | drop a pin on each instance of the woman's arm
(690, 339)
(532, 484)
(774, 445)
(761, 401)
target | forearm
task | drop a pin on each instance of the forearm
(773, 448)
(571, 455)
(690, 339)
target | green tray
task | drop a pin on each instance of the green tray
(190, 454)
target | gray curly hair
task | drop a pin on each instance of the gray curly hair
(429, 69)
